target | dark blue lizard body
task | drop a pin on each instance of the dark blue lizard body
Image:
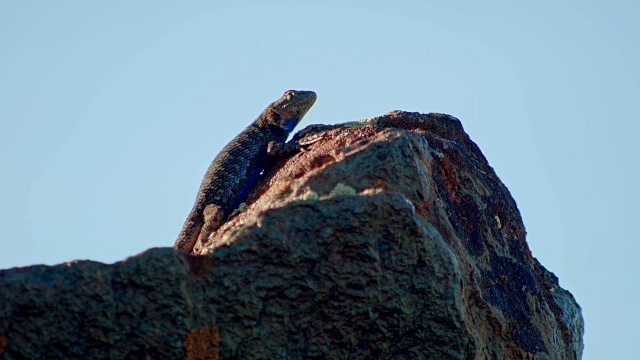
(234, 172)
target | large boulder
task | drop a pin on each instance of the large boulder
(389, 238)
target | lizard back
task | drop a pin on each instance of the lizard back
(235, 170)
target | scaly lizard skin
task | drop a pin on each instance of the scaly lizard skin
(234, 172)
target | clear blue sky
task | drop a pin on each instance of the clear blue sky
(110, 112)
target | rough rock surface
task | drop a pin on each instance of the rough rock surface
(390, 238)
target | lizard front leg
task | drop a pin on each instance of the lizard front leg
(279, 149)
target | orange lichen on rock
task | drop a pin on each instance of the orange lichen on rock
(3, 344)
(203, 344)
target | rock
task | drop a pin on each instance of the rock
(389, 238)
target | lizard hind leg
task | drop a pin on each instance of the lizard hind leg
(213, 215)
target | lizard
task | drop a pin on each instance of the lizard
(235, 170)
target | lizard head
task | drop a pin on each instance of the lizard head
(287, 111)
